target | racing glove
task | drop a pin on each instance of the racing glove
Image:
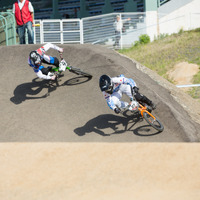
(61, 50)
(53, 77)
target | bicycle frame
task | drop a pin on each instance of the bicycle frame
(143, 109)
(72, 69)
(56, 69)
(145, 114)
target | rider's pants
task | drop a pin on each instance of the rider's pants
(116, 96)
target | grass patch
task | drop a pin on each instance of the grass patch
(168, 50)
(195, 92)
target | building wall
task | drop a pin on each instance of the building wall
(173, 5)
(186, 17)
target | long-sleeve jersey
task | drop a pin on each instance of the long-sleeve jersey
(118, 83)
(49, 59)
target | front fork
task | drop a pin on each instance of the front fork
(143, 109)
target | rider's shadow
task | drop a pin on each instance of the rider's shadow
(27, 91)
(109, 124)
(31, 90)
(114, 124)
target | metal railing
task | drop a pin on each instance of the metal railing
(95, 30)
(99, 29)
(58, 31)
(7, 29)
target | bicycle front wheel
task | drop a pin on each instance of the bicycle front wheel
(153, 121)
(79, 72)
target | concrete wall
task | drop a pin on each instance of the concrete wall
(173, 5)
(172, 17)
(186, 17)
(151, 23)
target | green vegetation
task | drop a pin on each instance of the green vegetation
(144, 39)
(166, 51)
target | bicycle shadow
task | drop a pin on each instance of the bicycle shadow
(146, 131)
(109, 124)
(102, 122)
(76, 81)
(31, 90)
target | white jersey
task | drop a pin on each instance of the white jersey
(42, 50)
(121, 85)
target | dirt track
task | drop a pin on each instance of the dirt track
(61, 142)
(34, 111)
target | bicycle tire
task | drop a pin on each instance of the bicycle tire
(155, 123)
(79, 72)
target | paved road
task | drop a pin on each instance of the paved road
(33, 110)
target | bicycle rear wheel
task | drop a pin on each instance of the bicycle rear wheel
(79, 72)
(153, 121)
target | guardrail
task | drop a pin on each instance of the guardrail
(95, 30)
(7, 29)
(58, 31)
(99, 29)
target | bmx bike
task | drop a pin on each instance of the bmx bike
(145, 112)
(75, 70)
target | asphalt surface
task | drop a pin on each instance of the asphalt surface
(35, 110)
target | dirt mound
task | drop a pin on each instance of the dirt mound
(182, 73)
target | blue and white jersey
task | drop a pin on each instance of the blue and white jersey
(121, 85)
(35, 67)
(49, 59)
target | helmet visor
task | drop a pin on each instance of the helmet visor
(109, 90)
(37, 60)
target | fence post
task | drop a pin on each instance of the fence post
(121, 35)
(81, 31)
(61, 31)
(41, 32)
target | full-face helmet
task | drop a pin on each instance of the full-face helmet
(105, 83)
(35, 58)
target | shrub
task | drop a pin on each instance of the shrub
(144, 39)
